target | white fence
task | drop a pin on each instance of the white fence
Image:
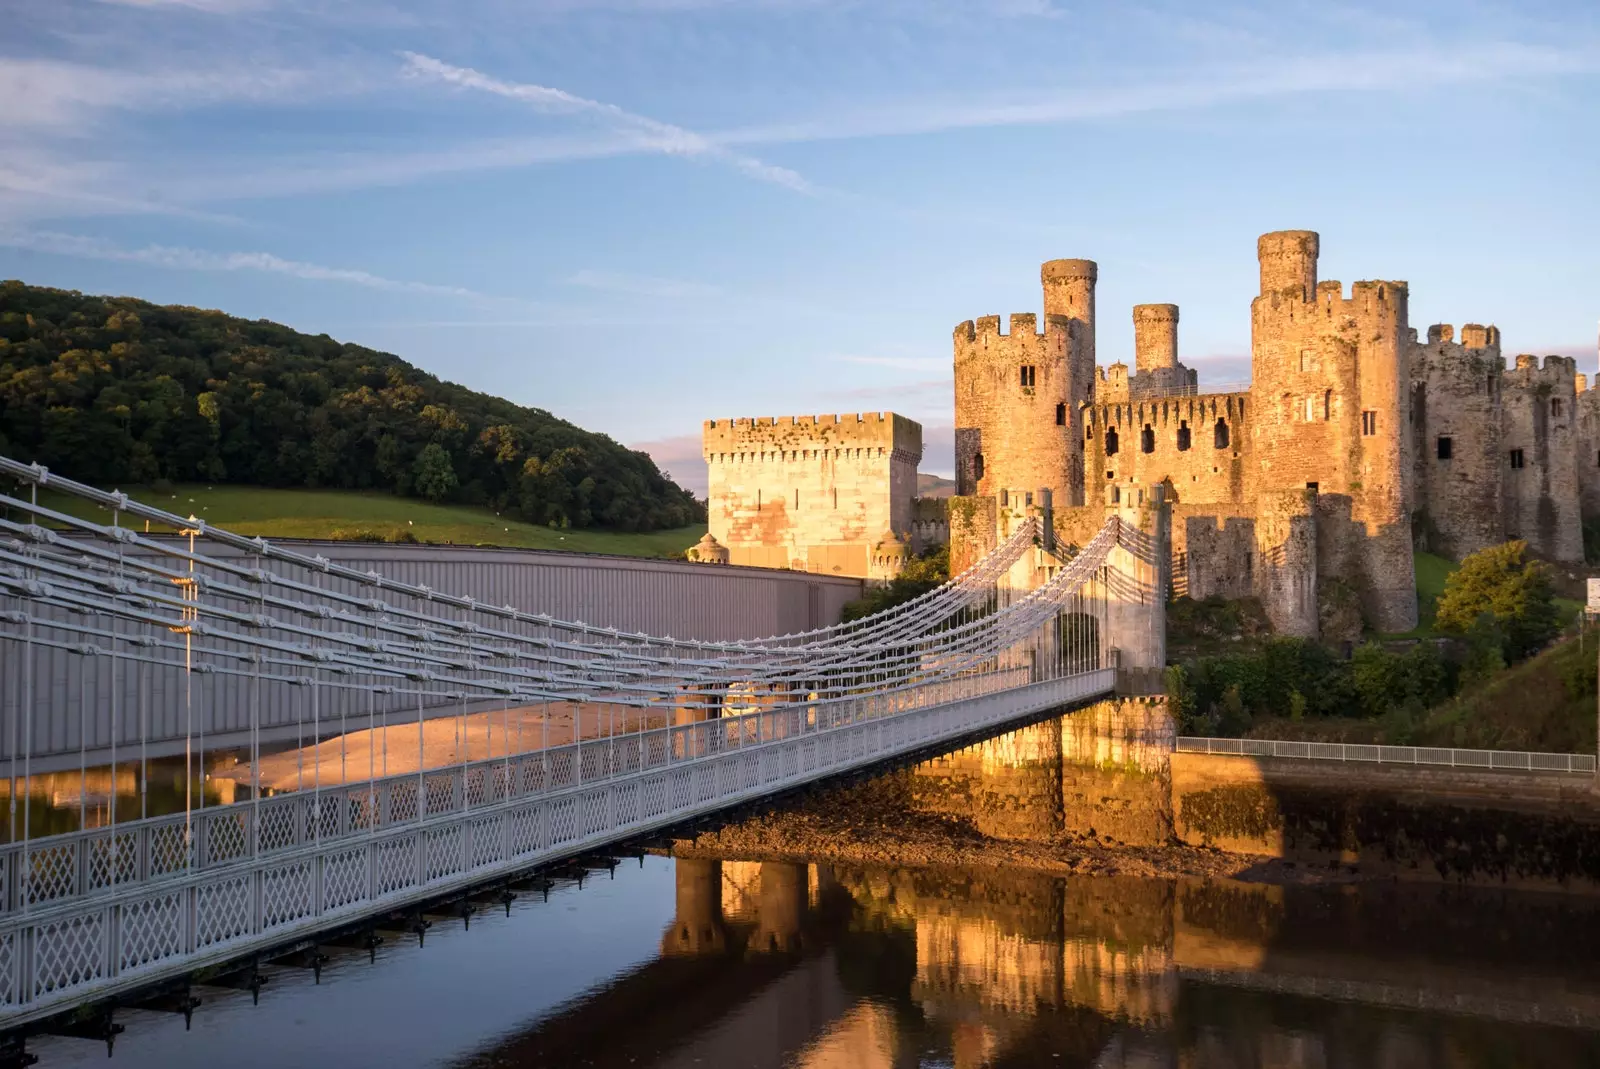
(100, 913)
(1509, 760)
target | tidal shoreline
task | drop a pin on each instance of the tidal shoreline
(869, 824)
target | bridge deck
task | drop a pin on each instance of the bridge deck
(108, 911)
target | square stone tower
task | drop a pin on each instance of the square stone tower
(829, 494)
(1329, 375)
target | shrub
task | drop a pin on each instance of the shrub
(920, 575)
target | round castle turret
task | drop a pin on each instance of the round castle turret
(1289, 262)
(1155, 336)
(1069, 292)
(1018, 392)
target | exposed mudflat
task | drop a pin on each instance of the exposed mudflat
(861, 825)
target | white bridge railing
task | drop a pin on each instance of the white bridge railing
(113, 910)
(1509, 760)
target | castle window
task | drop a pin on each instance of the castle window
(1555, 406)
(1313, 487)
(1061, 415)
(1308, 360)
(1147, 439)
(1327, 404)
(1220, 434)
(835, 497)
(758, 500)
(1489, 387)
(797, 499)
(1446, 447)
(1027, 374)
(1111, 441)
(1088, 433)
(977, 465)
(1369, 423)
(1516, 458)
(1183, 437)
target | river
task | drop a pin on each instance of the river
(706, 962)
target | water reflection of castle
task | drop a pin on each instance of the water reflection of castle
(794, 966)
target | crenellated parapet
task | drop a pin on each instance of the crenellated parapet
(765, 438)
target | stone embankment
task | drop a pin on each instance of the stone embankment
(1100, 791)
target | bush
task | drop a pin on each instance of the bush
(920, 575)
(1512, 592)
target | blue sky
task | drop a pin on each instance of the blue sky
(643, 213)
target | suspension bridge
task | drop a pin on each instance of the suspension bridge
(396, 743)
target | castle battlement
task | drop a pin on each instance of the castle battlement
(1021, 325)
(878, 432)
(1473, 336)
(1557, 370)
(1376, 299)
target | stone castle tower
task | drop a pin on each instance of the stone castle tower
(1328, 380)
(1018, 392)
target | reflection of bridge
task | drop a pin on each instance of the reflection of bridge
(117, 639)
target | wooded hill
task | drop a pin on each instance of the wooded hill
(118, 391)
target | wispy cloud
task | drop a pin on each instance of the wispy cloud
(200, 260)
(649, 135)
(60, 96)
(1350, 71)
(641, 285)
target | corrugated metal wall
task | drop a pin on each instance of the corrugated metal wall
(72, 704)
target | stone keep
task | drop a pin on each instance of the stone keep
(1328, 377)
(829, 494)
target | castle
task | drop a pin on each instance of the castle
(1356, 442)
(830, 494)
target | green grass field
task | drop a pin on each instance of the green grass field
(347, 514)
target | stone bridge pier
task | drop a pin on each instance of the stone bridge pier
(1138, 583)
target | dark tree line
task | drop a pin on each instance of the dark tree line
(112, 390)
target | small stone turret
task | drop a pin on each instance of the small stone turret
(1155, 337)
(708, 551)
(1069, 293)
(1289, 262)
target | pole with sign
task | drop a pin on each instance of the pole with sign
(1592, 608)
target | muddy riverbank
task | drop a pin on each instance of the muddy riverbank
(878, 823)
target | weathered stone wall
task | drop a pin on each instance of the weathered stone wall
(1527, 828)
(973, 525)
(930, 523)
(1115, 771)
(1542, 497)
(1456, 395)
(1321, 361)
(811, 492)
(1213, 551)
(1199, 445)
(1286, 560)
(1588, 459)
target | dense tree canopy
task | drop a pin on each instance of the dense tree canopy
(112, 390)
(1503, 589)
